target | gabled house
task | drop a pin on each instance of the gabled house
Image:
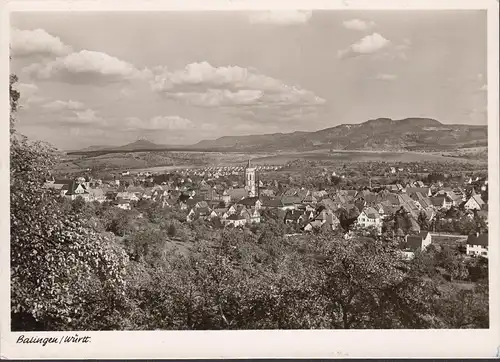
(418, 242)
(250, 202)
(475, 202)
(477, 245)
(74, 190)
(369, 217)
(294, 217)
(235, 220)
(438, 202)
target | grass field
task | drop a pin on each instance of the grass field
(168, 160)
(359, 156)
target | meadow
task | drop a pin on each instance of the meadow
(158, 161)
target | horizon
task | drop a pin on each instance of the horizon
(269, 73)
(142, 138)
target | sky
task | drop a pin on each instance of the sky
(104, 78)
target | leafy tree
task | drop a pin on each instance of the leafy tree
(60, 267)
(423, 221)
(172, 231)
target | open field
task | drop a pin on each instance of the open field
(157, 161)
(358, 156)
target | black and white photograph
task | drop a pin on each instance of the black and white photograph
(255, 170)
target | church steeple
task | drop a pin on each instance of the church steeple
(250, 180)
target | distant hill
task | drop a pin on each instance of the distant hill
(381, 134)
(138, 145)
(94, 148)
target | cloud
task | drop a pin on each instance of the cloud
(59, 105)
(158, 123)
(28, 94)
(88, 115)
(369, 44)
(209, 127)
(203, 85)
(86, 66)
(36, 42)
(386, 76)
(285, 17)
(357, 24)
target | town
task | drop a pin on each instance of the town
(236, 196)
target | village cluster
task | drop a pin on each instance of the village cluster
(197, 193)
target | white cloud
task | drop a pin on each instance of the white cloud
(85, 65)
(88, 116)
(158, 123)
(64, 105)
(26, 88)
(28, 94)
(386, 76)
(369, 44)
(284, 17)
(204, 85)
(357, 24)
(218, 97)
(36, 42)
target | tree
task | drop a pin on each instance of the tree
(61, 269)
(423, 221)
(171, 231)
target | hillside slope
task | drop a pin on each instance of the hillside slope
(382, 134)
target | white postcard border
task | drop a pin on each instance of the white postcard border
(239, 344)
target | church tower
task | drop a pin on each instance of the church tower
(250, 180)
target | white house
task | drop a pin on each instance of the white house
(477, 245)
(475, 202)
(123, 204)
(235, 220)
(370, 217)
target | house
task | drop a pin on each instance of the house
(272, 203)
(235, 194)
(123, 204)
(126, 195)
(295, 217)
(74, 190)
(438, 202)
(251, 202)
(290, 202)
(235, 220)
(475, 202)
(418, 242)
(313, 225)
(254, 216)
(328, 219)
(477, 245)
(369, 217)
